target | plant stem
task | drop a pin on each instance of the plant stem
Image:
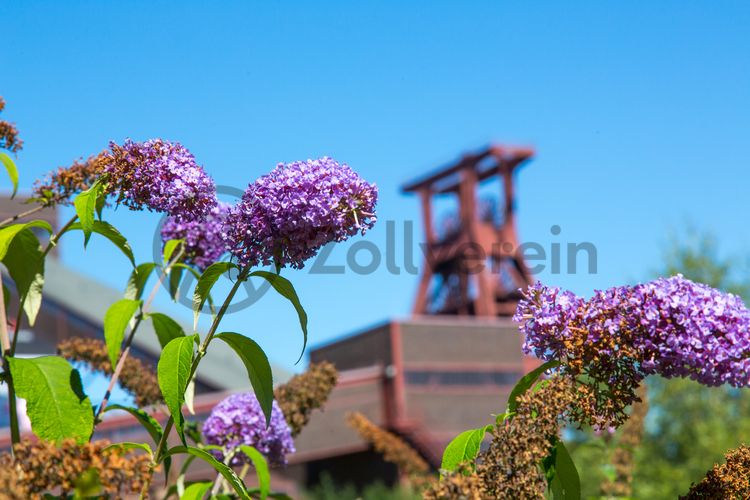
(126, 350)
(160, 447)
(15, 434)
(53, 239)
(4, 339)
(22, 215)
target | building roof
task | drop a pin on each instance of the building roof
(90, 299)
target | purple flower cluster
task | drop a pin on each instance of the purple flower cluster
(286, 216)
(202, 237)
(238, 420)
(672, 327)
(161, 176)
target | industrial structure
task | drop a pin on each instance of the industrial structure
(452, 364)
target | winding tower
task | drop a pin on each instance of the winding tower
(476, 267)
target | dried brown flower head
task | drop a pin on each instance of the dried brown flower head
(305, 393)
(728, 480)
(394, 449)
(9, 134)
(510, 466)
(630, 435)
(462, 484)
(45, 467)
(59, 186)
(136, 376)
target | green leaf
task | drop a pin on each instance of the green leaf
(527, 381)
(221, 468)
(55, 402)
(8, 233)
(463, 448)
(261, 469)
(85, 204)
(567, 473)
(10, 166)
(137, 281)
(284, 287)
(87, 484)
(127, 446)
(152, 426)
(169, 248)
(116, 321)
(25, 262)
(166, 328)
(175, 277)
(204, 285)
(257, 366)
(196, 491)
(173, 371)
(180, 483)
(111, 233)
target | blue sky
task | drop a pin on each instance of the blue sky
(639, 112)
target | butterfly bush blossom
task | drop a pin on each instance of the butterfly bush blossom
(161, 176)
(239, 420)
(202, 237)
(286, 216)
(671, 326)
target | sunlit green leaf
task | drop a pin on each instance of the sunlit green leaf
(116, 320)
(111, 233)
(138, 279)
(8, 233)
(55, 403)
(166, 328)
(196, 491)
(224, 470)
(127, 446)
(567, 473)
(204, 285)
(152, 426)
(257, 366)
(169, 248)
(24, 260)
(261, 469)
(526, 382)
(85, 204)
(87, 484)
(173, 371)
(10, 166)
(284, 287)
(463, 448)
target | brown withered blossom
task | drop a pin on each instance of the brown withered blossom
(136, 377)
(462, 484)
(510, 465)
(43, 467)
(728, 480)
(630, 435)
(61, 185)
(304, 393)
(9, 134)
(393, 449)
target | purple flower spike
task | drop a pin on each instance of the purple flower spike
(288, 215)
(671, 326)
(161, 176)
(238, 420)
(203, 242)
